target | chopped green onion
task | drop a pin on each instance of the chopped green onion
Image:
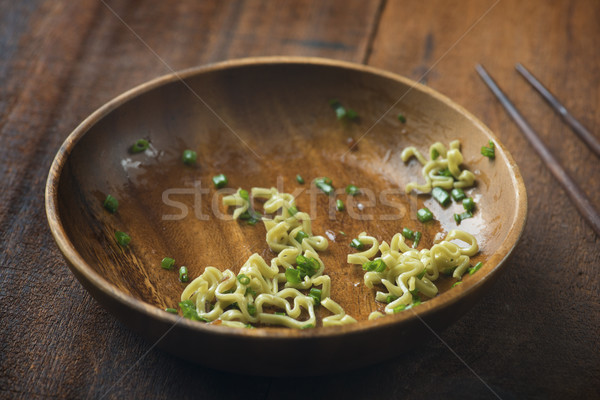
(252, 221)
(189, 311)
(399, 308)
(458, 194)
(243, 279)
(307, 326)
(122, 238)
(244, 194)
(292, 275)
(183, 274)
(424, 215)
(377, 265)
(468, 204)
(251, 309)
(408, 234)
(416, 302)
(402, 118)
(139, 146)
(220, 181)
(249, 326)
(250, 292)
(293, 210)
(421, 275)
(490, 151)
(445, 172)
(441, 196)
(342, 233)
(325, 185)
(300, 179)
(307, 266)
(351, 114)
(167, 263)
(111, 204)
(434, 154)
(457, 283)
(476, 268)
(189, 157)
(357, 244)
(316, 295)
(171, 310)
(391, 298)
(339, 205)
(417, 239)
(459, 217)
(352, 190)
(300, 236)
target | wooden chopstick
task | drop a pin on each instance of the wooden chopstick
(577, 196)
(585, 135)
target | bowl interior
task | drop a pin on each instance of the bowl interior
(261, 123)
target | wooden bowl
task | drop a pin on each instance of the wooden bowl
(261, 121)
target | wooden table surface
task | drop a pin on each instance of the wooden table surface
(535, 335)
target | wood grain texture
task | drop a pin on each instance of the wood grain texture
(534, 336)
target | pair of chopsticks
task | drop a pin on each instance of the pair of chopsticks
(577, 196)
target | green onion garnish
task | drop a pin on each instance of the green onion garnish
(167, 263)
(300, 179)
(249, 326)
(339, 205)
(408, 234)
(307, 266)
(183, 274)
(476, 268)
(324, 184)
(189, 311)
(243, 279)
(139, 146)
(111, 204)
(441, 196)
(468, 204)
(252, 309)
(342, 233)
(307, 326)
(250, 292)
(189, 157)
(171, 310)
(351, 114)
(341, 112)
(376, 265)
(316, 295)
(434, 154)
(352, 190)
(122, 238)
(457, 283)
(445, 172)
(490, 151)
(424, 215)
(293, 210)
(244, 194)
(458, 194)
(459, 217)
(421, 275)
(391, 298)
(292, 275)
(402, 118)
(417, 239)
(220, 181)
(300, 236)
(357, 244)
(399, 308)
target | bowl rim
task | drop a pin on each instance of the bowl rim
(441, 301)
